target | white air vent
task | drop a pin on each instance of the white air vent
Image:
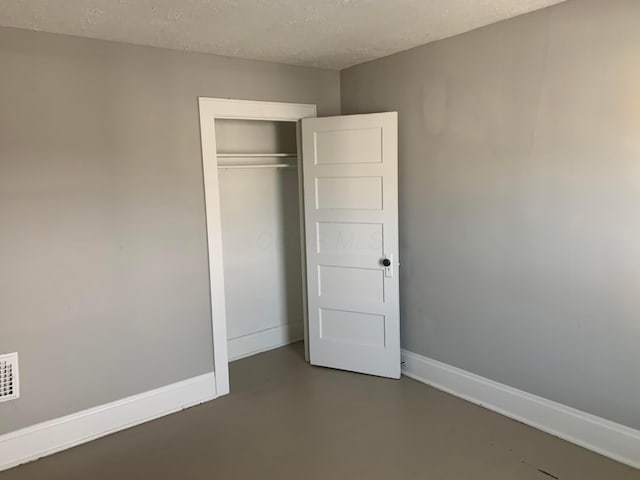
(9, 388)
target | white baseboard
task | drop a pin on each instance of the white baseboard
(605, 437)
(49, 437)
(264, 340)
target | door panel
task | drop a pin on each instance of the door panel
(352, 327)
(349, 193)
(351, 283)
(361, 239)
(351, 225)
(348, 146)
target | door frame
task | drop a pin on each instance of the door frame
(219, 108)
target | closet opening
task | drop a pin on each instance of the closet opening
(298, 255)
(261, 236)
(251, 157)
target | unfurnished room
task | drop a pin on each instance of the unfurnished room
(320, 239)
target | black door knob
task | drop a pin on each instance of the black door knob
(386, 262)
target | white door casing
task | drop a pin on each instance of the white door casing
(210, 110)
(350, 177)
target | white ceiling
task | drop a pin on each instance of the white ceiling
(321, 33)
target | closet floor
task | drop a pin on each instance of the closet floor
(287, 420)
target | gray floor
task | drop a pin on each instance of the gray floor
(287, 420)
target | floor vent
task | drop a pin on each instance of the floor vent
(9, 388)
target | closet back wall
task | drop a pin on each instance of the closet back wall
(104, 287)
(260, 236)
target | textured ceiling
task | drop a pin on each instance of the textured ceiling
(322, 33)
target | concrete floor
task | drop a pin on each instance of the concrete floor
(287, 420)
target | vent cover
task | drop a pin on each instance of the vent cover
(9, 389)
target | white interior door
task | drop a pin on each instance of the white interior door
(350, 174)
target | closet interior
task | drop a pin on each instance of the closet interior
(259, 199)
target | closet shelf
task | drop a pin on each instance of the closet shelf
(256, 165)
(257, 155)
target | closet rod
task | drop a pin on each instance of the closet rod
(251, 155)
(259, 165)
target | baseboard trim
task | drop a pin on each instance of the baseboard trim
(264, 340)
(619, 442)
(53, 436)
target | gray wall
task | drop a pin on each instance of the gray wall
(103, 259)
(519, 200)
